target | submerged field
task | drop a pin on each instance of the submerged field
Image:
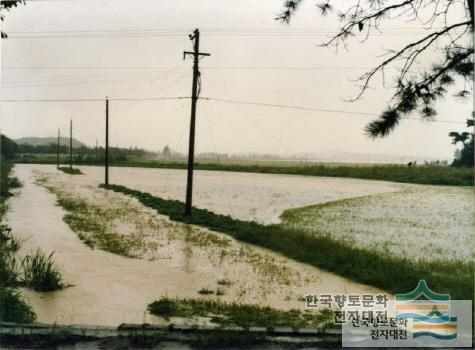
(421, 223)
(122, 253)
(422, 174)
(120, 256)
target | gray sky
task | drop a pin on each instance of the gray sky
(253, 58)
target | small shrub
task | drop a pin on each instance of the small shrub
(40, 273)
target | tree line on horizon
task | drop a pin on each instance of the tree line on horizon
(10, 150)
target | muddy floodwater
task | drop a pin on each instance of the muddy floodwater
(172, 259)
(246, 196)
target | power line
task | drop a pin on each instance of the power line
(314, 109)
(204, 67)
(294, 27)
(81, 79)
(97, 99)
(253, 103)
(128, 36)
(229, 31)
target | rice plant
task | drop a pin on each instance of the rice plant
(40, 273)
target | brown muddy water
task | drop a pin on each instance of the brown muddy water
(109, 289)
(246, 196)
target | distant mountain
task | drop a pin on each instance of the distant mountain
(39, 141)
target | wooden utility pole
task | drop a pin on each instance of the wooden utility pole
(106, 175)
(57, 155)
(194, 98)
(71, 144)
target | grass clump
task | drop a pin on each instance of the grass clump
(391, 273)
(14, 183)
(205, 291)
(234, 314)
(13, 307)
(224, 282)
(70, 171)
(40, 273)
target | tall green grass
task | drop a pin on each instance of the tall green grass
(39, 272)
(13, 308)
(8, 266)
(390, 273)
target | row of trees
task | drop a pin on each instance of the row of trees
(82, 154)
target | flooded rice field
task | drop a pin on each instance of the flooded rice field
(420, 222)
(118, 256)
(246, 196)
(154, 257)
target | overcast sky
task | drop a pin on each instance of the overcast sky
(126, 49)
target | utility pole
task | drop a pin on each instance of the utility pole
(106, 180)
(71, 144)
(57, 156)
(195, 37)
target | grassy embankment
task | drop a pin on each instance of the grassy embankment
(390, 273)
(35, 271)
(428, 175)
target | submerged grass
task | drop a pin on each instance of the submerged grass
(95, 225)
(70, 171)
(390, 273)
(234, 314)
(90, 224)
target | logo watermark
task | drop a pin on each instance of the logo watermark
(419, 318)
